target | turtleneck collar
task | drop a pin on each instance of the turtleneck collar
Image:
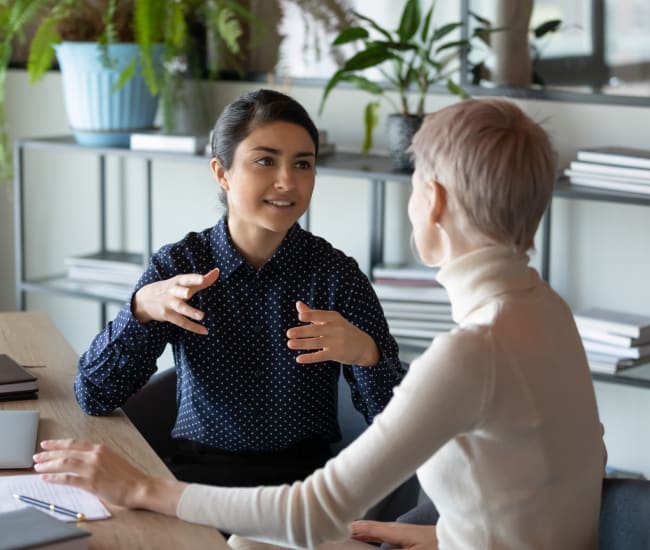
(475, 278)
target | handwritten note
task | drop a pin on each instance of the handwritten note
(63, 495)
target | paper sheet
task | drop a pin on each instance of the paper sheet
(63, 495)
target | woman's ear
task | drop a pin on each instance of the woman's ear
(437, 202)
(219, 174)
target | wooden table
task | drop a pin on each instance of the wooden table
(32, 339)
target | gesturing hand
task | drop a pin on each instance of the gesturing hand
(335, 338)
(167, 300)
(399, 535)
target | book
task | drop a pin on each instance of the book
(635, 352)
(169, 143)
(409, 272)
(109, 266)
(598, 335)
(616, 322)
(15, 380)
(30, 528)
(641, 174)
(609, 364)
(436, 294)
(622, 156)
(610, 183)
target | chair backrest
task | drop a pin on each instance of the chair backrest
(625, 514)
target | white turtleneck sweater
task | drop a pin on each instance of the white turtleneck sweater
(498, 418)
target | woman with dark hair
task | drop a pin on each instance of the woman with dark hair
(260, 315)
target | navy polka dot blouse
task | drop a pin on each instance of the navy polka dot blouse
(240, 387)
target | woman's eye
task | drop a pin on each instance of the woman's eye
(264, 161)
(303, 164)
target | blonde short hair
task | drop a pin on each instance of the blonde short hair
(497, 165)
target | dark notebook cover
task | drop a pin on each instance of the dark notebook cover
(30, 528)
(14, 378)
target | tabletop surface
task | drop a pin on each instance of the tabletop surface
(33, 340)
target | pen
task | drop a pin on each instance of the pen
(49, 506)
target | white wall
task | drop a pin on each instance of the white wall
(599, 251)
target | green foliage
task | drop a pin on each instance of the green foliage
(410, 58)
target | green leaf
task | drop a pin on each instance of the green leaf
(398, 46)
(548, 26)
(350, 35)
(41, 53)
(371, 57)
(336, 78)
(424, 35)
(456, 44)
(363, 83)
(445, 30)
(127, 74)
(456, 89)
(371, 121)
(373, 24)
(480, 19)
(410, 20)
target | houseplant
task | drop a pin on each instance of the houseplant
(14, 16)
(160, 31)
(145, 23)
(411, 59)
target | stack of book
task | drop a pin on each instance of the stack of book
(15, 381)
(416, 306)
(614, 340)
(109, 272)
(616, 168)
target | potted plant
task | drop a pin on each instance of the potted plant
(411, 58)
(14, 17)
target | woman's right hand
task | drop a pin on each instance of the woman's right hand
(167, 300)
(398, 535)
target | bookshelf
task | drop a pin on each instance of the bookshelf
(373, 168)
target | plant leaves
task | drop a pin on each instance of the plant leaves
(350, 35)
(336, 78)
(363, 83)
(371, 121)
(546, 27)
(410, 20)
(371, 57)
(41, 53)
(373, 24)
(445, 30)
(456, 89)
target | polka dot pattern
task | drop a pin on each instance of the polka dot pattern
(240, 387)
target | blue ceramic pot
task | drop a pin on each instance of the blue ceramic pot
(98, 114)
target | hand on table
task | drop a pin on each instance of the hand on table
(399, 535)
(334, 338)
(101, 471)
(167, 300)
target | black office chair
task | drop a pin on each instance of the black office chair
(625, 514)
(153, 412)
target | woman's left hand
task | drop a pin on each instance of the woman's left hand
(335, 338)
(399, 535)
(101, 471)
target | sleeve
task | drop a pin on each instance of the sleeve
(445, 393)
(121, 358)
(371, 387)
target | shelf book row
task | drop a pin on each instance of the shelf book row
(614, 168)
(416, 306)
(614, 340)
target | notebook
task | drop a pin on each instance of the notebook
(18, 431)
(15, 381)
(30, 528)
